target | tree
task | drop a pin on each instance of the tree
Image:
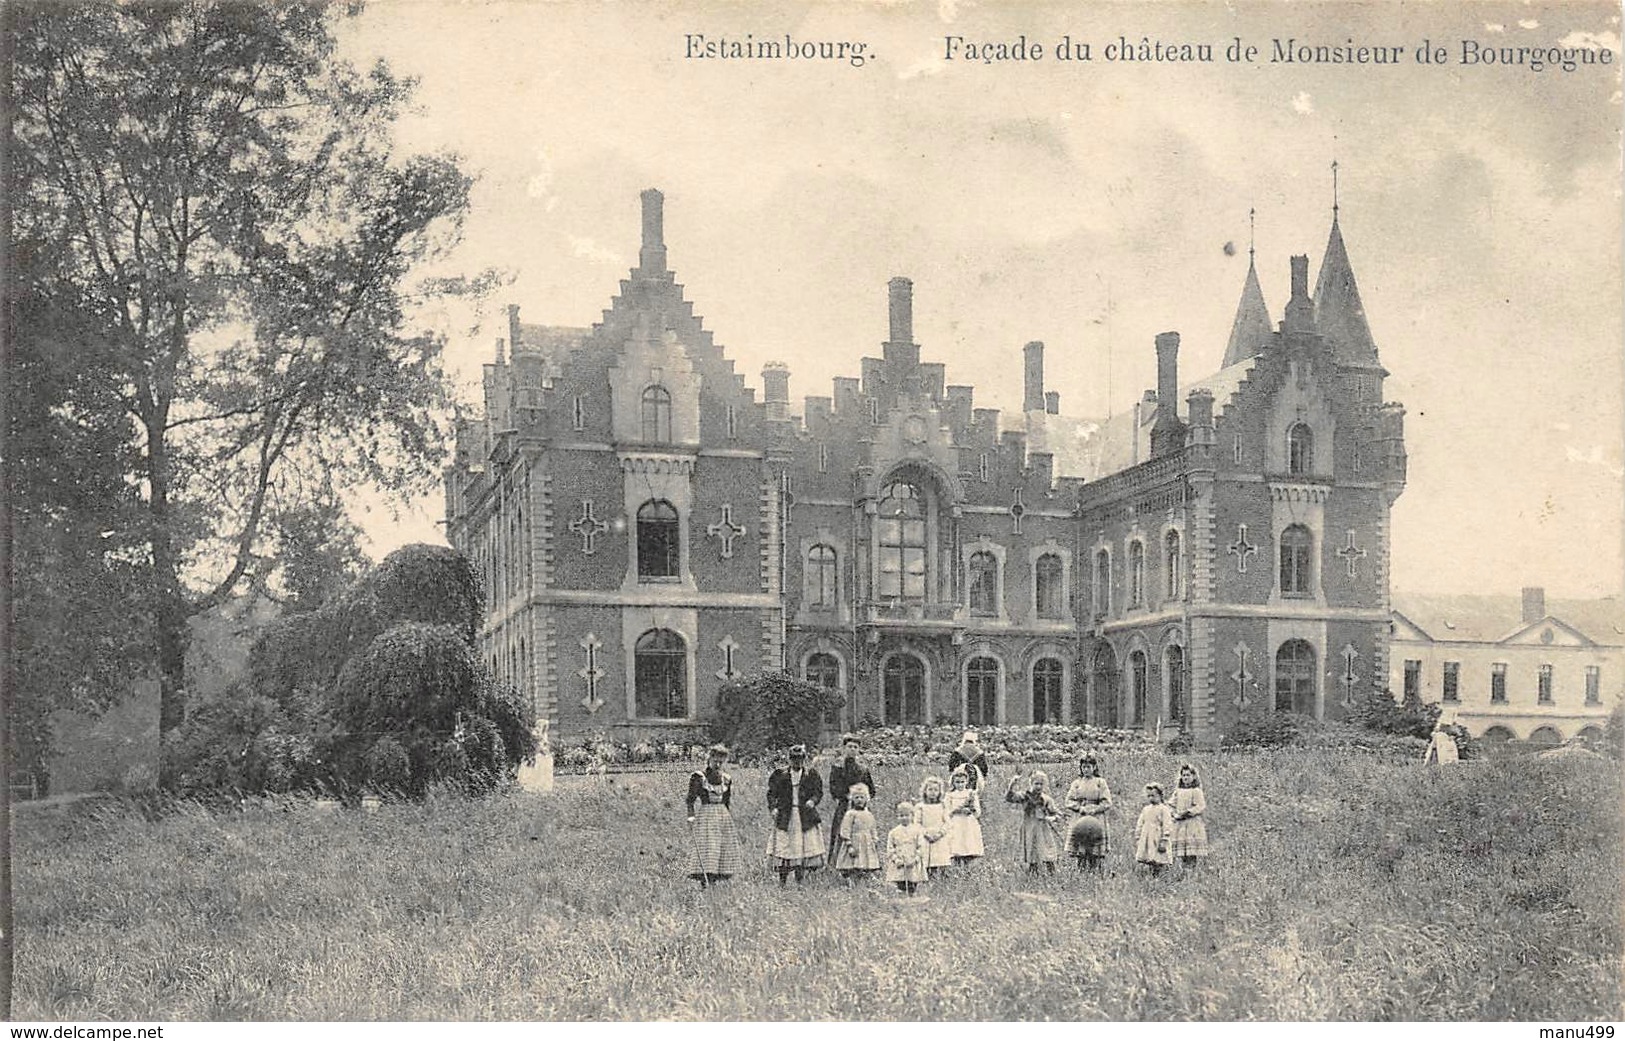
(213, 216)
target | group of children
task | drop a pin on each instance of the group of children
(941, 828)
(1163, 831)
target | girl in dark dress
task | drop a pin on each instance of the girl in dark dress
(714, 840)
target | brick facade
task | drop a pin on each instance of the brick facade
(647, 528)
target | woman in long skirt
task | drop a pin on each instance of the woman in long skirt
(793, 795)
(713, 838)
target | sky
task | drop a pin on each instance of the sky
(1089, 205)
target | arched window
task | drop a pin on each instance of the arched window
(661, 675)
(1138, 678)
(900, 523)
(656, 414)
(1174, 562)
(1050, 588)
(904, 689)
(1136, 574)
(1047, 674)
(820, 584)
(1546, 737)
(1297, 558)
(1103, 688)
(1295, 678)
(1300, 449)
(1173, 666)
(984, 583)
(658, 540)
(1103, 583)
(1499, 734)
(982, 691)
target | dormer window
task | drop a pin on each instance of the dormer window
(656, 414)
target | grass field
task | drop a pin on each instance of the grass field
(1341, 887)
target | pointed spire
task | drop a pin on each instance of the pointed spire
(1251, 329)
(1339, 314)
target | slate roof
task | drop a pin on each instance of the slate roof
(1491, 619)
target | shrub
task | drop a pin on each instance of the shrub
(242, 741)
(1613, 732)
(1410, 718)
(1262, 730)
(772, 711)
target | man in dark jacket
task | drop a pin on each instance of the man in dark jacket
(793, 795)
(846, 772)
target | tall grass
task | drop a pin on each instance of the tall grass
(1341, 886)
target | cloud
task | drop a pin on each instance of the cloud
(1528, 23)
(1604, 41)
(586, 247)
(1303, 104)
(1595, 458)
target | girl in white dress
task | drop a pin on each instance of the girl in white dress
(931, 813)
(964, 818)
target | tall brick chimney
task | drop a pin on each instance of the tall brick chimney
(1168, 433)
(652, 257)
(900, 293)
(1534, 603)
(1300, 310)
(1032, 370)
(776, 389)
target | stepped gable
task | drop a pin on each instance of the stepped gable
(1251, 330)
(651, 294)
(1339, 314)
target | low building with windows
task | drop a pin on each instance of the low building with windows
(648, 530)
(1537, 672)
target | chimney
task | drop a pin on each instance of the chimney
(776, 389)
(513, 326)
(652, 257)
(1200, 405)
(1300, 310)
(1032, 398)
(1168, 434)
(901, 293)
(1052, 402)
(1534, 604)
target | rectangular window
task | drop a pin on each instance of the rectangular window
(823, 457)
(1359, 457)
(1237, 448)
(1593, 685)
(1413, 680)
(1498, 683)
(579, 412)
(733, 421)
(1452, 681)
(1545, 685)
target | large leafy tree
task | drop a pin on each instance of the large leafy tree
(217, 232)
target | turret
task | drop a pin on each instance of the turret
(776, 389)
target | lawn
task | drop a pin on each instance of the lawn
(1342, 886)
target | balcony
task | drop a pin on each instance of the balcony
(910, 614)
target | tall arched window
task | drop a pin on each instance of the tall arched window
(903, 685)
(660, 675)
(658, 540)
(1173, 561)
(1173, 666)
(1297, 561)
(656, 414)
(900, 523)
(1103, 582)
(1047, 675)
(1295, 677)
(984, 583)
(1300, 449)
(1050, 587)
(820, 585)
(1139, 676)
(982, 691)
(1136, 574)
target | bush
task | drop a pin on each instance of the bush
(1410, 718)
(1263, 730)
(772, 711)
(242, 741)
(1613, 732)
